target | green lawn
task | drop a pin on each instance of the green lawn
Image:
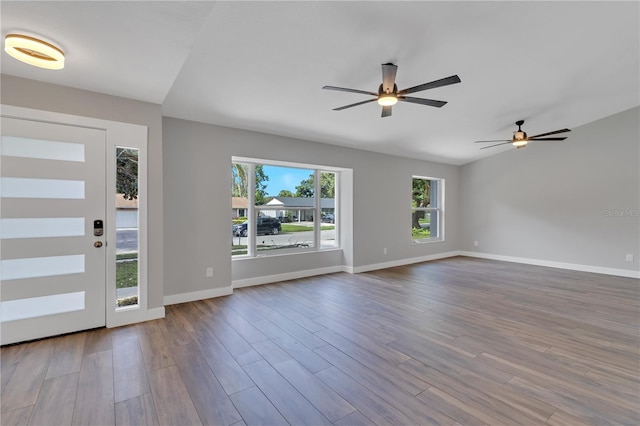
(417, 234)
(123, 256)
(238, 250)
(127, 273)
(287, 228)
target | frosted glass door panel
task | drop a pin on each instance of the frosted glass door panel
(15, 187)
(41, 227)
(13, 146)
(15, 269)
(52, 269)
(34, 307)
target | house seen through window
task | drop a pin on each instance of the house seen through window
(279, 209)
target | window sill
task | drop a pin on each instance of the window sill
(284, 254)
(429, 241)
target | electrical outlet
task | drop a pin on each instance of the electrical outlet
(629, 257)
(209, 272)
(475, 244)
(384, 250)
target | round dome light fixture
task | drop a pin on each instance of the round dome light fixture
(387, 99)
(34, 51)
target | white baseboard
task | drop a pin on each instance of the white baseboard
(551, 264)
(197, 295)
(400, 262)
(135, 316)
(248, 282)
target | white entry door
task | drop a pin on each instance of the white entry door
(52, 193)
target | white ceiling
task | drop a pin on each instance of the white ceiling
(261, 65)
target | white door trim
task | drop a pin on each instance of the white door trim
(117, 134)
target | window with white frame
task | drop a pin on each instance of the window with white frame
(284, 213)
(427, 202)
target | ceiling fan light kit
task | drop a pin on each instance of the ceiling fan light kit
(33, 51)
(387, 99)
(389, 95)
(520, 138)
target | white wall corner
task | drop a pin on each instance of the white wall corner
(560, 265)
(197, 295)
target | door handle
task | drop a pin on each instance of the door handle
(97, 244)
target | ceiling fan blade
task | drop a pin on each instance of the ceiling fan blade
(498, 144)
(429, 102)
(432, 85)
(344, 89)
(388, 77)
(356, 104)
(497, 140)
(546, 139)
(386, 111)
(550, 133)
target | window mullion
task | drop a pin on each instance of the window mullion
(252, 227)
(317, 216)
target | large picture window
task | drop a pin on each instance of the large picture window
(280, 209)
(427, 201)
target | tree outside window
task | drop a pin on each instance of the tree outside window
(426, 208)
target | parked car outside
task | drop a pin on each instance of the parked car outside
(266, 225)
(328, 217)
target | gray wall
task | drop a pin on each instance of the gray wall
(558, 201)
(32, 94)
(375, 210)
(574, 201)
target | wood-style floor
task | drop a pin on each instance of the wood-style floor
(457, 341)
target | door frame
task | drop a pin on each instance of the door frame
(118, 134)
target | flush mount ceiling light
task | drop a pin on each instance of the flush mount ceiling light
(387, 99)
(34, 51)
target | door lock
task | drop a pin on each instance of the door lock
(98, 228)
(97, 244)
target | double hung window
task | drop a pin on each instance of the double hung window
(427, 201)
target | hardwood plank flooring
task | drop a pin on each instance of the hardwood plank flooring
(67, 356)
(28, 376)
(256, 409)
(128, 362)
(95, 396)
(172, 401)
(56, 401)
(453, 342)
(139, 410)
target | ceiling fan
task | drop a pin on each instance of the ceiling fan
(388, 93)
(520, 138)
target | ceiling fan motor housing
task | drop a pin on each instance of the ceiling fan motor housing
(519, 135)
(382, 91)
